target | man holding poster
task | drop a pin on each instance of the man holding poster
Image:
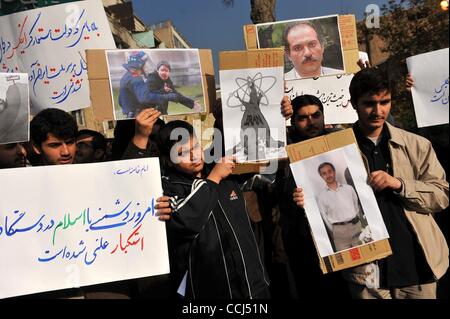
(410, 186)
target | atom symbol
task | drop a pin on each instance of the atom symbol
(243, 93)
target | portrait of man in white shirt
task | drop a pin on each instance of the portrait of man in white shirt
(340, 209)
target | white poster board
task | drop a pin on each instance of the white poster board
(14, 108)
(254, 128)
(430, 91)
(77, 225)
(49, 44)
(349, 170)
(332, 91)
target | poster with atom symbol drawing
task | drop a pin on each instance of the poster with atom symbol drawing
(254, 127)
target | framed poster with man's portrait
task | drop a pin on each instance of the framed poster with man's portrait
(313, 46)
(169, 80)
(342, 211)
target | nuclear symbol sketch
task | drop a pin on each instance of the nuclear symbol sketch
(255, 136)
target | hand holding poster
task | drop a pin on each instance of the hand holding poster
(14, 108)
(341, 208)
(430, 72)
(67, 234)
(49, 44)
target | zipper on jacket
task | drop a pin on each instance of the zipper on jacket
(240, 250)
(257, 248)
(223, 257)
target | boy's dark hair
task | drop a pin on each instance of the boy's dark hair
(165, 63)
(326, 164)
(99, 141)
(52, 121)
(165, 142)
(305, 100)
(368, 81)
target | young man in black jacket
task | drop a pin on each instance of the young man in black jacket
(159, 82)
(307, 122)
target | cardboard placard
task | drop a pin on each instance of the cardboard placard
(304, 158)
(347, 25)
(98, 75)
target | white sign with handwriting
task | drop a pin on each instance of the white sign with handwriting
(333, 92)
(430, 90)
(49, 44)
(77, 225)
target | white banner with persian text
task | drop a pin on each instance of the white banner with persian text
(77, 225)
(49, 44)
(333, 92)
(430, 90)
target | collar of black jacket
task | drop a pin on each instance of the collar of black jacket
(175, 176)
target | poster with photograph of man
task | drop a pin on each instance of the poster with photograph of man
(313, 46)
(254, 128)
(169, 80)
(14, 108)
(340, 205)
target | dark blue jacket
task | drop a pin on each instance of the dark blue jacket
(156, 85)
(135, 95)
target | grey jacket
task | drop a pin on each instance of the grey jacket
(425, 192)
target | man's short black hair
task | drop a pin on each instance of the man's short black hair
(326, 164)
(294, 25)
(99, 141)
(165, 142)
(52, 121)
(368, 81)
(305, 100)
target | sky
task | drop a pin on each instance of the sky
(208, 24)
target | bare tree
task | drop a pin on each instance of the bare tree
(262, 10)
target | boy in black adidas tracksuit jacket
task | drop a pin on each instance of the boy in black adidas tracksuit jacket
(212, 248)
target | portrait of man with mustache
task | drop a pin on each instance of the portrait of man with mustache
(304, 47)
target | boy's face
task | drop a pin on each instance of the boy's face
(85, 149)
(57, 151)
(12, 155)
(189, 157)
(164, 72)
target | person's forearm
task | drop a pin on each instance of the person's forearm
(186, 101)
(140, 141)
